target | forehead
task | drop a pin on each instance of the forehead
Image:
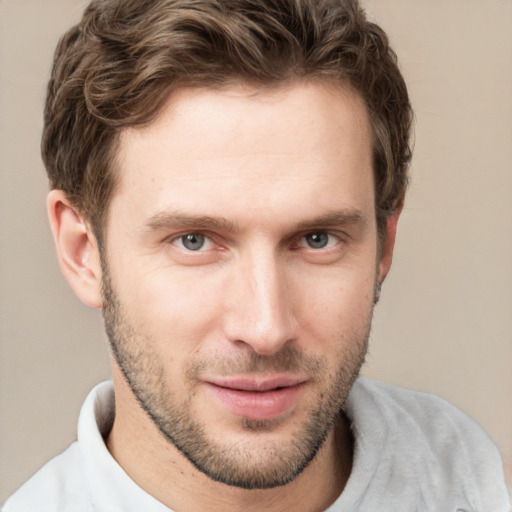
(241, 106)
(248, 148)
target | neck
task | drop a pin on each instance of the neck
(163, 472)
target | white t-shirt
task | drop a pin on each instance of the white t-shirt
(413, 452)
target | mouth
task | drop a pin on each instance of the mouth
(257, 398)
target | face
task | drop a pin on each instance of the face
(239, 273)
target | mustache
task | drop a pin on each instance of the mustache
(287, 360)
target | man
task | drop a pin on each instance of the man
(227, 179)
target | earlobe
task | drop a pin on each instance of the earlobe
(388, 246)
(77, 249)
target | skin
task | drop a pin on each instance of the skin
(263, 175)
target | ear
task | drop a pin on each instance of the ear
(388, 246)
(77, 249)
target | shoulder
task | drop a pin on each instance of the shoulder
(64, 483)
(424, 441)
(58, 485)
(431, 418)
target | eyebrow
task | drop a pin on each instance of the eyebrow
(175, 220)
(348, 216)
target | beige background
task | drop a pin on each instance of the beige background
(444, 324)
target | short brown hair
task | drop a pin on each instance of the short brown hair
(118, 66)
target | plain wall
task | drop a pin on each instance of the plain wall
(444, 323)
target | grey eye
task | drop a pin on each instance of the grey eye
(193, 241)
(317, 239)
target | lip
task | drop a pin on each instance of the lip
(257, 398)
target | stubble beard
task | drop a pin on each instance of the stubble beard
(262, 463)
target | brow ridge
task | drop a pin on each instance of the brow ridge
(170, 220)
(174, 220)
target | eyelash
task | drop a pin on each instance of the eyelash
(333, 239)
(300, 243)
(177, 238)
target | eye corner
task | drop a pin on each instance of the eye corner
(191, 241)
(319, 239)
(331, 247)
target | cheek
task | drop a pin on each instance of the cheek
(337, 305)
(176, 310)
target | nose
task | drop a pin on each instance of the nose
(260, 304)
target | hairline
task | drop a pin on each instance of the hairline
(329, 81)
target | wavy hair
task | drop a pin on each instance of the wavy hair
(119, 65)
